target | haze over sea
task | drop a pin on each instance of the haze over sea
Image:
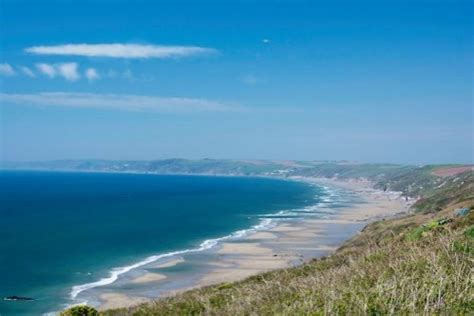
(63, 229)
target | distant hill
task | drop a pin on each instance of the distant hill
(411, 180)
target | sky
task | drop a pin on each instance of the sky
(368, 81)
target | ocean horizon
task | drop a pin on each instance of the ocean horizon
(67, 234)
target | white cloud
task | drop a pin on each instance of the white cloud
(91, 74)
(68, 71)
(118, 50)
(7, 70)
(119, 102)
(27, 71)
(47, 69)
(266, 41)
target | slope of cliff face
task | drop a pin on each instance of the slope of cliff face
(418, 264)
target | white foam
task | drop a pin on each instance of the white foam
(207, 244)
(116, 272)
(267, 221)
(322, 207)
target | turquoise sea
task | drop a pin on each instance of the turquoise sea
(64, 234)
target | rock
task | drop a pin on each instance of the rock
(17, 298)
(462, 212)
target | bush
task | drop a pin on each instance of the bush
(81, 310)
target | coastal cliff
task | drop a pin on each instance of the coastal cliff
(418, 263)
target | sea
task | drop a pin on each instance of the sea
(64, 236)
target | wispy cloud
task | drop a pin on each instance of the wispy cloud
(118, 50)
(69, 71)
(47, 69)
(6, 70)
(119, 102)
(27, 71)
(92, 74)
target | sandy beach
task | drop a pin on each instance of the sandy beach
(149, 277)
(292, 243)
(285, 245)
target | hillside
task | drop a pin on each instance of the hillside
(406, 178)
(412, 181)
(419, 264)
(387, 269)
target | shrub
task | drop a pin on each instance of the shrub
(82, 310)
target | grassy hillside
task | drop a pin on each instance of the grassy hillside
(454, 189)
(419, 264)
(382, 271)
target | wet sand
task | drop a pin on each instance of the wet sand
(286, 245)
(170, 263)
(289, 244)
(149, 277)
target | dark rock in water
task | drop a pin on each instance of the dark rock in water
(17, 298)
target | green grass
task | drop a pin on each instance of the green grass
(370, 275)
(419, 264)
(455, 189)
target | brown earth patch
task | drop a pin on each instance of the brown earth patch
(451, 171)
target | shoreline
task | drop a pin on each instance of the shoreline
(286, 244)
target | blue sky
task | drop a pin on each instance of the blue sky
(379, 81)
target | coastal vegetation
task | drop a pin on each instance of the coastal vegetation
(389, 269)
(81, 310)
(409, 179)
(421, 263)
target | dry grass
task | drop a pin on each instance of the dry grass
(381, 271)
(452, 171)
(393, 267)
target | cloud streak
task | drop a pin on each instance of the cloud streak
(91, 74)
(119, 50)
(27, 71)
(46, 69)
(7, 70)
(68, 71)
(121, 102)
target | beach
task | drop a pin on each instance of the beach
(286, 244)
(141, 235)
